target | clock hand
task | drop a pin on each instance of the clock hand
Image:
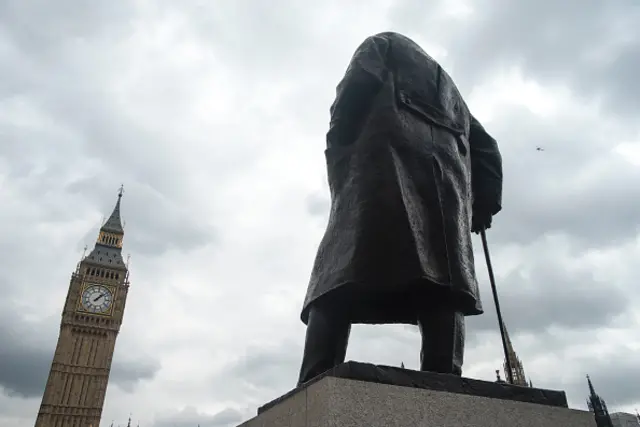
(98, 297)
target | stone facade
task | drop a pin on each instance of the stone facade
(75, 391)
(360, 395)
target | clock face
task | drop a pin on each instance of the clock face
(97, 299)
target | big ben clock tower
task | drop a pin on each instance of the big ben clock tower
(91, 318)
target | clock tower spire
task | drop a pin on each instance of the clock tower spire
(91, 319)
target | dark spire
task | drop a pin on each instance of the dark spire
(592, 390)
(598, 406)
(108, 248)
(114, 223)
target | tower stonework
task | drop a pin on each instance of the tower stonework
(75, 391)
(517, 370)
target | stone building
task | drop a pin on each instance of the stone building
(623, 419)
(91, 317)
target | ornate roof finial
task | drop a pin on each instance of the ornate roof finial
(114, 223)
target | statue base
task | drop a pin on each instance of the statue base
(363, 395)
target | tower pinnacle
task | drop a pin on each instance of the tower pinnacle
(598, 406)
(108, 247)
(517, 376)
(114, 223)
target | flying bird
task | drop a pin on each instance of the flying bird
(539, 149)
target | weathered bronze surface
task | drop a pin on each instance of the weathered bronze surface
(412, 174)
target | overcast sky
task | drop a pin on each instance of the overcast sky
(213, 115)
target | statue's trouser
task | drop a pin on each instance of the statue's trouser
(442, 331)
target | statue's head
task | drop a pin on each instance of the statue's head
(392, 35)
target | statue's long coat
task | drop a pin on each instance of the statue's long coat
(407, 164)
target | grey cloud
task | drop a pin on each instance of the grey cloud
(28, 342)
(23, 370)
(318, 204)
(154, 197)
(251, 368)
(39, 25)
(590, 46)
(66, 127)
(27, 345)
(576, 187)
(541, 293)
(265, 373)
(25, 360)
(596, 55)
(614, 378)
(259, 375)
(150, 216)
(277, 42)
(69, 139)
(127, 373)
(269, 373)
(190, 417)
(612, 368)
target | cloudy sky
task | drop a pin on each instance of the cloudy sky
(213, 115)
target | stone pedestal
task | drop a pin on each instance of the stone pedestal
(363, 395)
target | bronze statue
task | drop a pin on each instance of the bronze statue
(411, 173)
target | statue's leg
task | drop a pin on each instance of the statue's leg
(326, 342)
(442, 341)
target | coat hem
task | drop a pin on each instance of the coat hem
(396, 307)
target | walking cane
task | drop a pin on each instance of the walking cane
(497, 303)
